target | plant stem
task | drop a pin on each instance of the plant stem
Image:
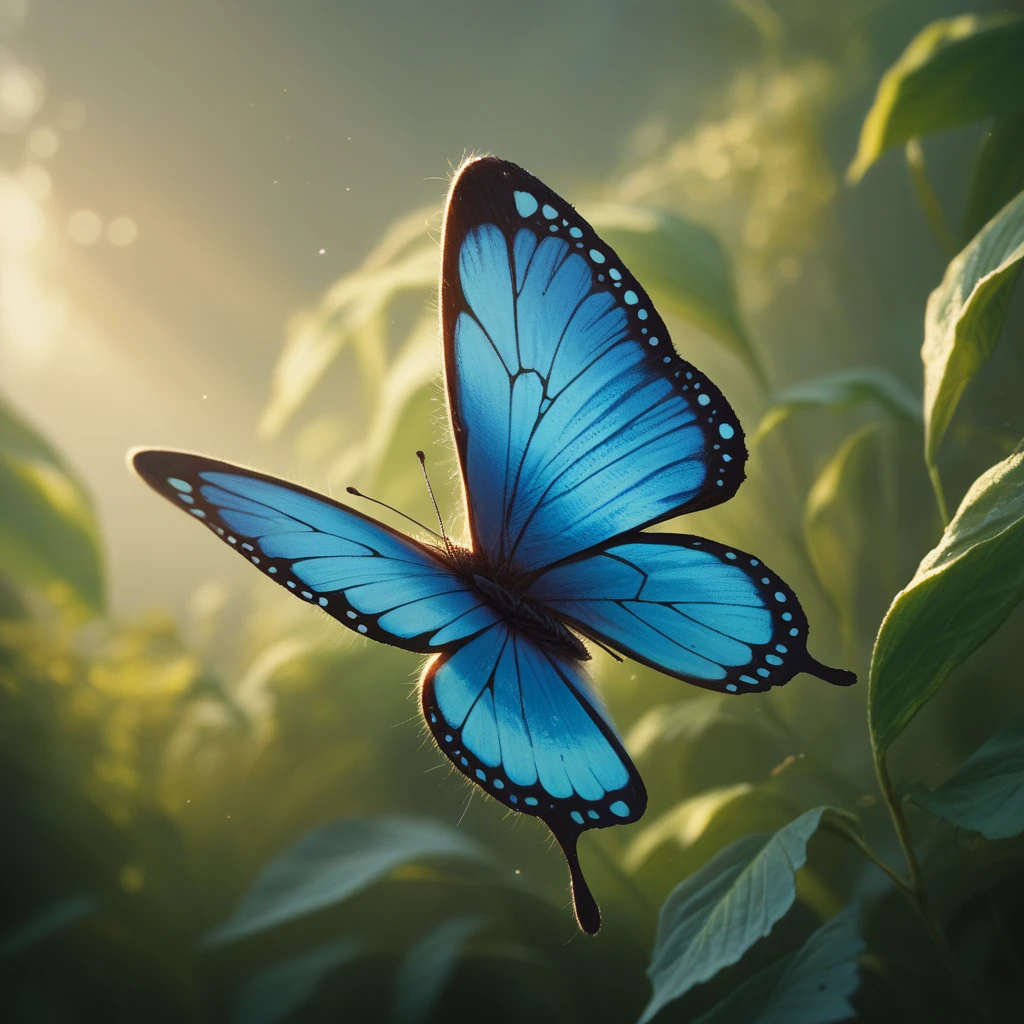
(858, 841)
(916, 889)
(940, 494)
(899, 821)
(926, 195)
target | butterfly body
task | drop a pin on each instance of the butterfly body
(578, 427)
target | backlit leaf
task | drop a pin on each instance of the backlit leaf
(965, 314)
(669, 723)
(334, 862)
(954, 72)
(350, 312)
(841, 390)
(48, 529)
(682, 824)
(960, 595)
(684, 268)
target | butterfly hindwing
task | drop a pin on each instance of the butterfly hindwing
(370, 578)
(575, 419)
(702, 611)
(524, 725)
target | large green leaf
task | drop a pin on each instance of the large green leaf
(684, 268)
(271, 996)
(998, 173)
(332, 863)
(965, 314)
(712, 918)
(811, 986)
(960, 595)
(48, 529)
(846, 388)
(986, 794)
(427, 968)
(953, 72)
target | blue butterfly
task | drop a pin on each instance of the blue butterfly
(577, 426)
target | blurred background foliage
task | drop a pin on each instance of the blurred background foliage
(218, 807)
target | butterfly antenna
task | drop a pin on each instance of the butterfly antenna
(433, 500)
(384, 504)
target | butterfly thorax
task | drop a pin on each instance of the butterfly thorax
(505, 593)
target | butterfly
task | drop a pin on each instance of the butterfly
(577, 427)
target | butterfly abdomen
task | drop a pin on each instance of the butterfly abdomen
(529, 618)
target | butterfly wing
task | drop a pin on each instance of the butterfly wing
(574, 417)
(704, 612)
(369, 577)
(524, 725)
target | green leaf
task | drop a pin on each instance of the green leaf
(811, 986)
(712, 918)
(998, 173)
(413, 368)
(962, 592)
(334, 862)
(428, 967)
(48, 529)
(682, 720)
(49, 921)
(836, 532)
(986, 794)
(954, 72)
(965, 314)
(846, 388)
(272, 995)
(351, 312)
(684, 268)
(683, 824)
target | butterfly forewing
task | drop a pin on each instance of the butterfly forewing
(575, 418)
(369, 577)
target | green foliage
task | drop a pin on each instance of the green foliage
(837, 530)
(684, 268)
(720, 911)
(333, 863)
(811, 986)
(428, 966)
(841, 390)
(986, 794)
(965, 315)
(352, 313)
(47, 922)
(276, 993)
(962, 592)
(998, 173)
(48, 531)
(952, 73)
